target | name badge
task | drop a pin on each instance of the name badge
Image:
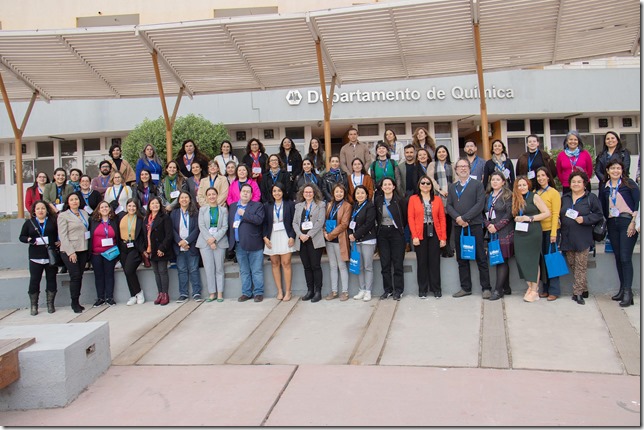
(88, 235)
(506, 173)
(236, 224)
(130, 244)
(119, 209)
(614, 212)
(107, 242)
(317, 171)
(522, 226)
(491, 215)
(155, 177)
(278, 226)
(59, 207)
(473, 176)
(88, 210)
(257, 170)
(212, 231)
(531, 174)
(352, 225)
(42, 240)
(307, 225)
(571, 213)
(395, 157)
(289, 168)
(188, 167)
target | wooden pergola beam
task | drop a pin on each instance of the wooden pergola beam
(169, 120)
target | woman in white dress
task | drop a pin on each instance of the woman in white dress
(226, 156)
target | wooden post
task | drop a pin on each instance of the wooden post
(485, 140)
(18, 133)
(169, 121)
(327, 103)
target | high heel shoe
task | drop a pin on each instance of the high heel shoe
(532, 295)
(627, 300)
(579, 299)
(620, 295)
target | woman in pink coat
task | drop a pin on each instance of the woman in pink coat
(573, 157)
(235, 186)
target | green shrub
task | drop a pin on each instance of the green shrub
(206, 135)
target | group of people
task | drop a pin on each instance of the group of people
(194, 210)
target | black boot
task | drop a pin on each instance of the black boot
(34, 303)
(627, 300)
(579, 299)
(309, 295)
(619, 295)
(76, 307)
(51, 296)
(496, 295)
(317, 296)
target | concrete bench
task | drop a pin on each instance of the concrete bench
(9, 363)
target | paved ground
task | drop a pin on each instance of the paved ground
(414, 362)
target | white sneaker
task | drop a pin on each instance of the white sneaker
(367, 296)
(139, 298)
(360, 295)
(132, 301)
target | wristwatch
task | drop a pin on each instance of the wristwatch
(531, 219)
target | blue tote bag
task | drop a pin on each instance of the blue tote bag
(494, 250)
(468, 245)
(354, 260)
(555, 263)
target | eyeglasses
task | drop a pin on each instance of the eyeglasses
(462, 166)
(424, 183)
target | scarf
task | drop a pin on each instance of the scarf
(570, 153)
(167, 189)
(76, 185)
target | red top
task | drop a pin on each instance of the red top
(416, 217)
(99, 234)
(32, 195)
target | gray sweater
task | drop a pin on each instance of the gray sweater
(471, 203)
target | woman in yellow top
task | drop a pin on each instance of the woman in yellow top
(550, 229)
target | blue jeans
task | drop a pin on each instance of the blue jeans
(550, 286)
(622, 249)
(188, 267)
(251, 270)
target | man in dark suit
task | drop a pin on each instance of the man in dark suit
(245, 219)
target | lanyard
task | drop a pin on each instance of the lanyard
(188, 161)
(334, 209)
(278, 210)
(311, 177)
(116, 195)
(308, 211)
(106, 224)
(383, 164)
(573, 205)
(237, 216)
(540, 192)
(104, 183)
(423, 167)
(613, 191)
(59, 194)
(354, 180)
(42, 227)
(80, 215)
(526, 201)
(184, 216)
(573, 161)
(464, 186)
(476, 161)
(355, 213)
(212, 181)
(146, 195)
(226, 161)
(491, 201)
(531, 159)
(275, 176)
(173, 184)
(86, 197)
(255, 160)
(214, 216)
(131, 220)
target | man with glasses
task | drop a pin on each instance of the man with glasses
(465, 203)
(103, 180)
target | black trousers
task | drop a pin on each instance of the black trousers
(391, 246)
(312, 262)
(75, 271)
(481, 259)
(428, 263)
(35, 273)
(130, 260)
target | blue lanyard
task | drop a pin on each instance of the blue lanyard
(185, 218)
(354, 181)
(274, 177)
(492, 200)
(464, 186)
(42, 228)
(573, 161)
(105, 228)
(540, 192)
(237, 216)
(277, 211)
(334, 209)
(423, 167)
(59, 194)
(387, 207)
(355, 213)
(501, 167)
(80, 215)
(476, 161)
(114, 192)
(311, 177)
(86, 197)
(146, 195)
(613, 191)
(212, 181)
(573, 205)
(308, 211)
(526, 201)
(105, 183)
(531, 159)
(383, 165)
(173, 184)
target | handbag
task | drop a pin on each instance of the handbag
(111, 253)
(494, 250)
(52, 254)
(468, 245)
(599, 230)
(555, 263)
(354, 260)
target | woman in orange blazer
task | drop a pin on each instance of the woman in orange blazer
(359, 176)
(426, 218)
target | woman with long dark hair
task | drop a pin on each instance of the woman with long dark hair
(308, 176)
(255, 159)
(275, 173)
(291, 158)
(145, 189)
(185, 228)
(56, 192)
(132, 244)
(613, 150)
(189, 154)
(316, 153)
(121, 165)
(171, 186)
(105, 232)
(40, 231)
(362, 231)
(442, 173)
(359, 176)
(149, 160)
(89, 198)
(159, 247)
(226, 156)
(396, 149)
(500, 162)
(35, 192)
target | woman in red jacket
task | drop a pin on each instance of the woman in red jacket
(426, 217)
(34, 193)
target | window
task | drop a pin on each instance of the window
(91, 145)
(417, 125)
(45, 149)
(12, 148)
(516, 146)
(536, 126)
(443, 130)
(2, 178)
(68, 151)
(516, 125)
(368, 129)
(91, 164)
(583, 125)
(240, 136)
(398, 128)
(631, 141)
(269, 134)
(559, 126)
(27, 171)
(296, 134)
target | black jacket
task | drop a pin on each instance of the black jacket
(328, 182)
(30, 233)
(603, 159)
(161, 236)
(93, 199)
(397, 207)
(365, 228)
(294, 160)
(579, 237)
(289, 212)
(302, 180)
(266, 186)
(140, 235)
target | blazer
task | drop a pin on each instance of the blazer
(289, 211)
(490, 167)
(250, 227)
(579, 237)
(328, 182)
(248, 161)
(139, 195)
(161, 236)
(549, 163)
(152, 166)
(367, 181)
(630, 194)
(114, 223)
(203, 162)
(193, 232)
(221, 237)
(398, 209)
(340, 230)
(30, 233)
(32, 195)
(470, 209)
(349, 152)
(365, 222)
(221, 185)
(233, 192)
(416, 217)
(294, 160)
(126, 170)
(71, 231)
(194, 188)
(504, 220)
(316, 233)
(49, 192)
(93, 199)
(140, 235)
(266, 186)
(604, 158)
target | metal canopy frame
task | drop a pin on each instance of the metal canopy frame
(406, 39)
